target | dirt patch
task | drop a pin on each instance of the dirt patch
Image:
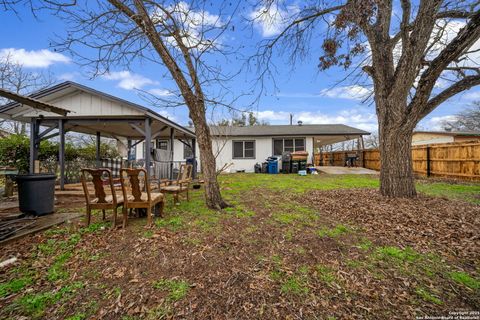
(424, 223)
(281, 258)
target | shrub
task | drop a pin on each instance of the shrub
(15, 151)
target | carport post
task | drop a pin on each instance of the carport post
(129, 151)
(97, 154)
(61, 152)
(194, 154)
(148, 142)
(34, 143)
(172, 137)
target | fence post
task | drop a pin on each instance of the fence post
(428, 160)
(363, 158)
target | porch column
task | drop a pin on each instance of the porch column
(97, 154)
(172, 137)
(194, 154)
(61, 152)
(129, 151)
(34, 143)
(148, 141)
(313, 151)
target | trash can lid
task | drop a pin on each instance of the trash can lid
(35, 176)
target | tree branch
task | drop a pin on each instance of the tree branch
(462, 85)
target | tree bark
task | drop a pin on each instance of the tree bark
(396, 174)
(213, 197)
(191, 91)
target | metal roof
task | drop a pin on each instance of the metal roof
(288, 130)
(31, 102)
(17, 110)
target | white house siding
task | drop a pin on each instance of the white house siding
(263, 150)
(224, 148)
(83, 103)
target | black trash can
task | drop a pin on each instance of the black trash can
(36, 193)
(295, 166)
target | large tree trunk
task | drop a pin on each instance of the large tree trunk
(396, 174)
(213, 196)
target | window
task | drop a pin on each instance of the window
(162, 144)
(244, 149)
(187, 152)
(288, 145)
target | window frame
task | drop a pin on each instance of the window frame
(184, 149)
(293, 144)
(243, 149)
(158, 142)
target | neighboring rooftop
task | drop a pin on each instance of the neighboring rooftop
(288, 130)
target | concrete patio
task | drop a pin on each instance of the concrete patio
(345, 170)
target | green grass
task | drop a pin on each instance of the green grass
(14, 286)
(96, 227)
(172, 223)
(397, 254)
(428, 296)
(295, 285)
(78, 316)
(177, 289)
(466, 192)
(57, 271)
(325, 274)
(465, 279)
(35, 305)
(334, 232)
(148, 234)
(235, 184)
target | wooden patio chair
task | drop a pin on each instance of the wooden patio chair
(100, 178)
(182, 184)
(135, 198)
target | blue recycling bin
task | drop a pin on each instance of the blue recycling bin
(272, 167)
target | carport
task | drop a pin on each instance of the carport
(72, 107)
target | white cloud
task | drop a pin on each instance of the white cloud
(129, 81)
(160, 92)
(33, 59)
(353, 92)
(356, 117)
(473, 95)
(272, 20)
(68, 76)
(436, 123)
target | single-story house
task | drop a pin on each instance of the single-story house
(241, 147)
(432, 137)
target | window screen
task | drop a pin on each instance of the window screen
(299, 145)
(162, 144)
(187, 152)
(278, 147)
(243, 149)
(288, 145)
(249, 147)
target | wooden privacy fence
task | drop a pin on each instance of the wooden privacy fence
(455, 160)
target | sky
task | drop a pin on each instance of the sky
(312, 96)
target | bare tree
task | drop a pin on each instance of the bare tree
(182, 37)
(468, 119)
(371, 141)
(14, 77)
(413, 57)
